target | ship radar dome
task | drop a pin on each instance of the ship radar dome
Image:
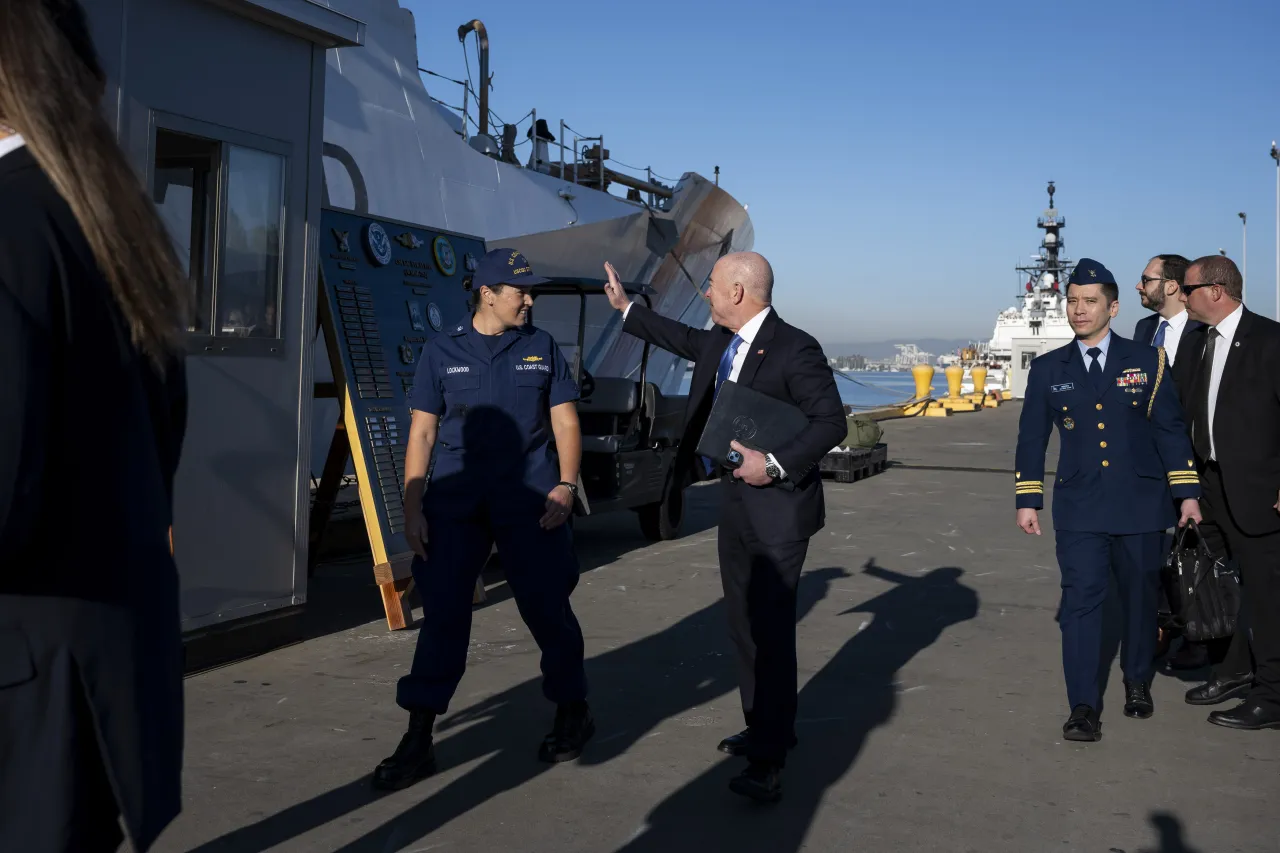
(1050, 239)
(1047, 280)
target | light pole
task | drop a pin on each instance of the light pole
(1244, 253)
(1275, 155)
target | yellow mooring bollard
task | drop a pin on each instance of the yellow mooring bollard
(954, 402)
(923, 375)
(979, 395)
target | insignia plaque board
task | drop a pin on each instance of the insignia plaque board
(386, 289)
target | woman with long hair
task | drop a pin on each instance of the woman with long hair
(92, 416)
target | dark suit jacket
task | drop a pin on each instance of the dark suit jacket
(90, 437)
(1146, 330)
(1246, 418)
(785, 363)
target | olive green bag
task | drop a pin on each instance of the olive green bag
(863, 432)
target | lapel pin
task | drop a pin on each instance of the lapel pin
(761, 352)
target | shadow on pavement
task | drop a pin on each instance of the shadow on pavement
(692, 661)
(839, 708)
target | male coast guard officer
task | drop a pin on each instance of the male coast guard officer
(487, 398)
(1125, 456)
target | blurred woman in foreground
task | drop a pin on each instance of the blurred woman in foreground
(92, 414)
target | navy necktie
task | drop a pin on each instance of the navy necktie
(1095, 368)
(722, 373)
(1158, 340)
(726, 363)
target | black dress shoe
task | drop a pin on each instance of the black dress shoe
(572, 729)
(1137, 700)
(1250, 715)
(1083, 725)
(761, 782)
(737, 744)
(1219, 690)
(414, 758)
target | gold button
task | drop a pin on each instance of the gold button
(1099, 407)
(1135, 402)
(1102, 444)
(1105, 463)
(1102, 426)
(1064, 408)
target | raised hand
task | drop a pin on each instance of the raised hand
(613, 289)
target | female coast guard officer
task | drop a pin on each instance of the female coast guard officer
(1125, 457)
(487, 397)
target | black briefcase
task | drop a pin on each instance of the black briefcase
(1203, 590)
(756, 421)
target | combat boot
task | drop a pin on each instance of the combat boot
(573, 728)
(414, 758)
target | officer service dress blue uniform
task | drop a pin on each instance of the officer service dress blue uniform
(492, 468)
(1124, 453)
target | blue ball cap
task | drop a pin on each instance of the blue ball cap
(1089, 271)
(505, 266)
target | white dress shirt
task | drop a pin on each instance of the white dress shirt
(1173, 334)
(748, 333)
(1104, 345)
(1221, 347)
(11, 143)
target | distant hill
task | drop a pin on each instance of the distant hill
(887, 349)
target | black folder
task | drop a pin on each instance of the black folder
(756, 421)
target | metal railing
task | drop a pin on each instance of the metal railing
(589, 156)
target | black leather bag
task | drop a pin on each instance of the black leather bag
(1203, 591)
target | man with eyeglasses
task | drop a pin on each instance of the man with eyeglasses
(1159, 290)
(1230, 385)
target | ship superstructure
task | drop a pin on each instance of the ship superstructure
(1038, 322)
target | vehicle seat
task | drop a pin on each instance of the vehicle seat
(608, 415)
(666, 415)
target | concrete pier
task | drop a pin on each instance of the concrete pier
(930, 710)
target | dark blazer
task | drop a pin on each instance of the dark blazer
(1117, 467)
(90, 436)
(1246, 419)
(1146, 330)
(785, 363)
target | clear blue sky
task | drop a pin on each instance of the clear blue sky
(895, 156)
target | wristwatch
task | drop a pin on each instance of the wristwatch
(572, 487)
(771, 468)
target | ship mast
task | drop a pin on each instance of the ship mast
(1050, 268)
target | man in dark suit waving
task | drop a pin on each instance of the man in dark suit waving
(772, 504)
(1231, 390)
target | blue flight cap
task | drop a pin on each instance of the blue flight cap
(1089, 271)
(505, 266)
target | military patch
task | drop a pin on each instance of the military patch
(1068, 423)
(1068, 386)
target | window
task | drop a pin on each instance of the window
(186, 175)
(224, 206)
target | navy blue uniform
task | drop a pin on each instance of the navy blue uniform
(492, 468)
(1124, 454)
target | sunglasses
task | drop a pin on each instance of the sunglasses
(1187, 288)
(1149, 279)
